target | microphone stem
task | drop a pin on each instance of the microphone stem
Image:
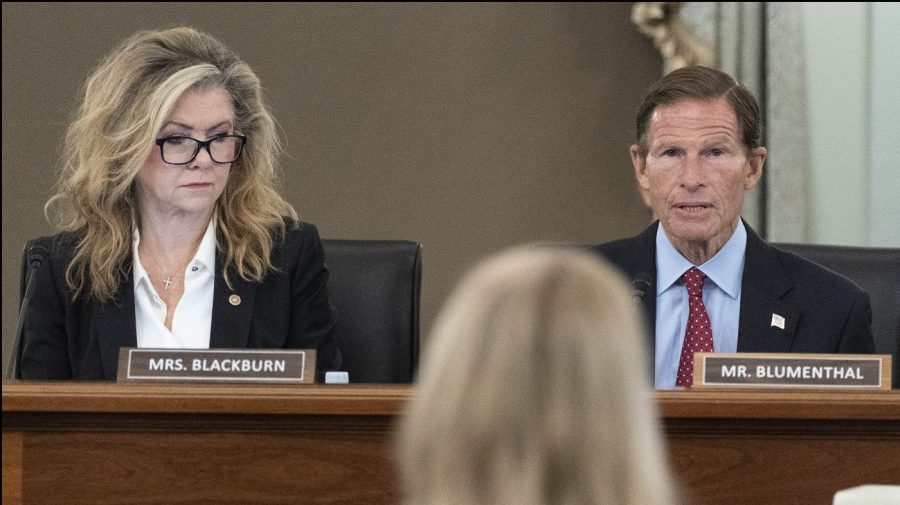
(13, 363)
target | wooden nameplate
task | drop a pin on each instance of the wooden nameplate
(283, 366)
(786, 370)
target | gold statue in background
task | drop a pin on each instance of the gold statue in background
(675, 41)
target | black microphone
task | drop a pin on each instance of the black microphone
(36, 255)
(639, 286)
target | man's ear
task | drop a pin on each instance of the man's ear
(756, 159)
(640, 169)
(640, 173)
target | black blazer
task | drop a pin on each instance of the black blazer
(66, 339)
(824, 312)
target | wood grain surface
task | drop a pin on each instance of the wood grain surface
(104, 443)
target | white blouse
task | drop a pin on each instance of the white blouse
(193, 315)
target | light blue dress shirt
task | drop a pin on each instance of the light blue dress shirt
(721, 296)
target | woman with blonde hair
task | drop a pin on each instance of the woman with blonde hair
(534, 391)
(172, 232)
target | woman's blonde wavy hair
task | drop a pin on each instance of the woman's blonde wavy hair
(126, 102)
(534, 391)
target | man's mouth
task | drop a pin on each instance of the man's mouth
(693, 207)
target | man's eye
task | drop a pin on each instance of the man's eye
(717, 152)
(670, 152)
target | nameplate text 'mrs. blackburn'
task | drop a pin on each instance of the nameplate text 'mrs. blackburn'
(785, 370)
(217, 365)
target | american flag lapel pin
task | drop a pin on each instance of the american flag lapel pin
(778, 321)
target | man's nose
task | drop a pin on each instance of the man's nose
(692, 176)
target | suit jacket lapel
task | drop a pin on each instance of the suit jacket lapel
(115, 326)
(763, 288)
(645, 261)
(232, 310)
(642, 259)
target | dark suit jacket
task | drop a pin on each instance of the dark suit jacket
(823, 311)
(67, 339)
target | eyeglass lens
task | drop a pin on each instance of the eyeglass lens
(180, 150)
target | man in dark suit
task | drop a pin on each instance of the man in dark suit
(698, 151)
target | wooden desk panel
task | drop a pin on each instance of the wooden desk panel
(102, 443)
(778, 471)
(781, 447)
(109, 444)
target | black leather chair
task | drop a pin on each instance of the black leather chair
(876, 270)
(375, 285)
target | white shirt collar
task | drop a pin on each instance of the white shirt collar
(205, 255)
(140, 274)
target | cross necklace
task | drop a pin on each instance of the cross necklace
(167, 281)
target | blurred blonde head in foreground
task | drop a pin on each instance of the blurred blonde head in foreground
(534, 390)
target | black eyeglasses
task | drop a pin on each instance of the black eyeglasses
(181, 150)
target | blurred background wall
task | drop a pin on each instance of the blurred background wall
(465, 127)
(851, 52)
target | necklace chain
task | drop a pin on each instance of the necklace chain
(168, 281)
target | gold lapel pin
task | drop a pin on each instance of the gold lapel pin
(234, 300)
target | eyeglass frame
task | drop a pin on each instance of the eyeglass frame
(201, 144)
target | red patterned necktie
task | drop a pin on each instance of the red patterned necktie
(698, 336)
